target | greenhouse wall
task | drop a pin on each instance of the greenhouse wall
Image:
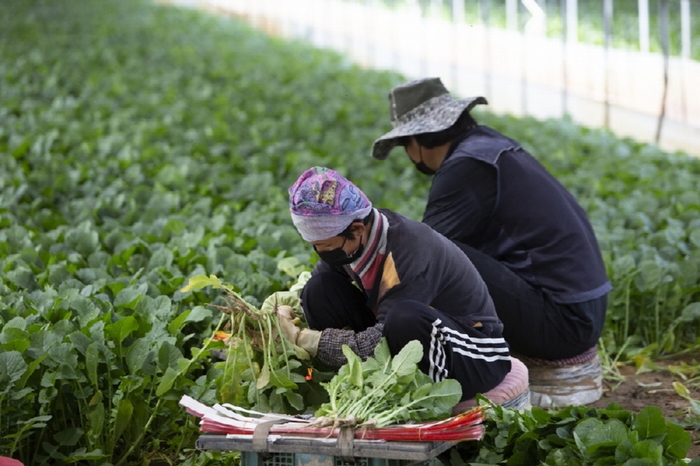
(523, 58)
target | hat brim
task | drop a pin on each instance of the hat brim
(437, 120)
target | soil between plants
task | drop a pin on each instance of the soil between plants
(655, 388)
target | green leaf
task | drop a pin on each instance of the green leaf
(97, 420)
(168, 356)
(198, 282)
(690, 313)
(646, 452)
(410, 355)
(16, 344)
(84, 241)
(623, 266)
(198, 314)
(33, 365)
(81, 454)
(86, 310)
(677, 441)
(354, 367)
(123, 417)
(91, 362)
(593, 434)
(17, 322)
(122, 328)
(650, 422)
(423, 391)
(162, 258)
(445, 395)
(137, 354)
(295, 400)
(650, 275)
(69, 437)
(130, 296)
(279, 379)
(264, 377)
(12, 367)
(291, 266)
(178, 322)
(80, 341)
(167, 381)
(694, 237)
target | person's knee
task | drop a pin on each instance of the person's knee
(317, 283)
(407, 320)
(402, 314)
(330, 300)
(325, 288)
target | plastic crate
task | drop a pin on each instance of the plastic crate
(294, 451)
(249, 458)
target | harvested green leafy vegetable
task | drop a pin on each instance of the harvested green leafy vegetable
(262, 371)
(383, 390)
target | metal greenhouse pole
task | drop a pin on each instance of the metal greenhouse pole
(458, 18)
(564, 70)
(512, 15)
(607, 27)
(685, 53)
(685, 29)
(485, 19)
(572, 20)
(664, 33)
(643, 15)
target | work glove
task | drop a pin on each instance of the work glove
(283, 298)
(305, 338)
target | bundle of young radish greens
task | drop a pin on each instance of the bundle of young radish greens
(264, 372)
(383, 390)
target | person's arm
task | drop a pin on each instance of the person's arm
(362, 343)
(461, 198)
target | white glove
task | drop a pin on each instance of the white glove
(305, 338)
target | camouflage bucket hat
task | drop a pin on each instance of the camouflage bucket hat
(421, 106)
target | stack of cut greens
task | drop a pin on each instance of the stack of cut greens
(384, 398)
(261, 369)
(382, 391)
(229, 419)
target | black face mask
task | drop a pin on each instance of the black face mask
(338, 257)
(423, 168)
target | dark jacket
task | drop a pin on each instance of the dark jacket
(424, 266)
(492, 195)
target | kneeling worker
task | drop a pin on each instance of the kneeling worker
(382, 274)
(526, 234)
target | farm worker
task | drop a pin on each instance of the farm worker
(529, 239)
(382, 274)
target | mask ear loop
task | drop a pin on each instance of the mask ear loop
(358, 246)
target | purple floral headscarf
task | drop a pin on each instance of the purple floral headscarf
(323, 204)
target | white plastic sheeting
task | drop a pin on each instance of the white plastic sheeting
(519, 72)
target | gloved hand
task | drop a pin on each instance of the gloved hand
(305, 338)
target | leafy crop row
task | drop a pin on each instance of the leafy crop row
(143, 145)
(137, 151)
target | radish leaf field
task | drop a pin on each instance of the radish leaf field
(143, 145)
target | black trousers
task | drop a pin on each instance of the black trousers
(534, 325)
(451, 348)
